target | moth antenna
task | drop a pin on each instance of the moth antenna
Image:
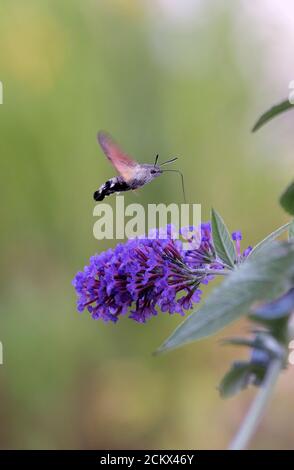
(156, 159)
(169, 161)
(182, 178)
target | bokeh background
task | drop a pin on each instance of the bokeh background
(174, 77)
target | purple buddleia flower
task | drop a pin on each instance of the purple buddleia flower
(144, 275)
(237, 237)
(204, 254)
(247, 251)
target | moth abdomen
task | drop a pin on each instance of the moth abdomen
(98, 195)
(111, 186)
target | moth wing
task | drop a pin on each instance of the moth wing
(123, 164)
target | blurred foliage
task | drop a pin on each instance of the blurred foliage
(287, 199)
(276, 110)
(69, 69)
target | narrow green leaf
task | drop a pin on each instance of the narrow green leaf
(240, 342)
(262, 278)
(291, 231)
(236, 379)
(287, 199)
(271, 113)
(272, 236)
(239, 377)
(222, 241)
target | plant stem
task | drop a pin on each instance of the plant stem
(254, 415)
(214, 272)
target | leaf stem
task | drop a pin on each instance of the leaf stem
(254, 415)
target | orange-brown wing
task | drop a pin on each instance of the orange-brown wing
(124, 164)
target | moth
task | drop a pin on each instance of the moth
(131, 174)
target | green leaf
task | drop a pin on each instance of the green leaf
(291, 231)
(287, 199)
(235, 380)
(240, 342)
(262, 341)
(238, 378)
(262, 278)
(272, 236)
(223, 244)
(271, 113)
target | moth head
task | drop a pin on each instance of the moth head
(155, 170)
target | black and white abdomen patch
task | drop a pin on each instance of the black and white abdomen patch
(113, 185)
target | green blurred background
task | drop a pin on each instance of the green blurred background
(184, 78)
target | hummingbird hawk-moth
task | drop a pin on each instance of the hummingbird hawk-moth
(131, 174)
